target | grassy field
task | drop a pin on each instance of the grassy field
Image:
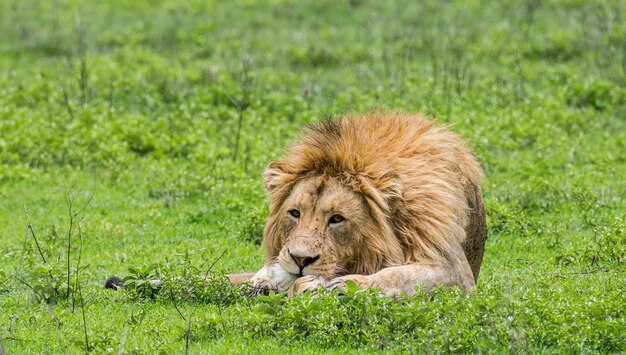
(135, 134)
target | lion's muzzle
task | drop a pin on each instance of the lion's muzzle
(303, 261)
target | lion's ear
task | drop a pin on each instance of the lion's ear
(386, 192)
(275, 175)
(391, 187)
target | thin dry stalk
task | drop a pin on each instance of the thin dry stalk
(82, 53)
(80, 253)
(187, 335)
(70, 202)
(215, 262)
(243, 102)
(24, 282)
(66, 103)
(82, 309)
(32, 231)
(73, 219)
(111, 91)
(171, 296)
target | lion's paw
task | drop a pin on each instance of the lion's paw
(263, 287)
(340, 282)
(262, 283)
(305, 284)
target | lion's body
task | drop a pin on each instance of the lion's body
(407, 196)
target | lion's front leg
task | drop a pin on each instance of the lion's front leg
(395, 280)
(238, 279)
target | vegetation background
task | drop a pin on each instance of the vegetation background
(134, 134)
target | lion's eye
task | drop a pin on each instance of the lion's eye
(294, 213)
(336, 218)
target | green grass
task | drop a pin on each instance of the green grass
(168, 113)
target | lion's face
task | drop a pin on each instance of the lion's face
(321, 220)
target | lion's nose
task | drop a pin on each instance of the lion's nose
(303, 261)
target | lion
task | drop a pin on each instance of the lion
(388, 200)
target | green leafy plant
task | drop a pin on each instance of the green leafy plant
(49, 285)
(141, 281)
(599, 95)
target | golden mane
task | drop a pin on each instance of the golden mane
(419, 182)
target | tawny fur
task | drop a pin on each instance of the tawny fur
(419, 185)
